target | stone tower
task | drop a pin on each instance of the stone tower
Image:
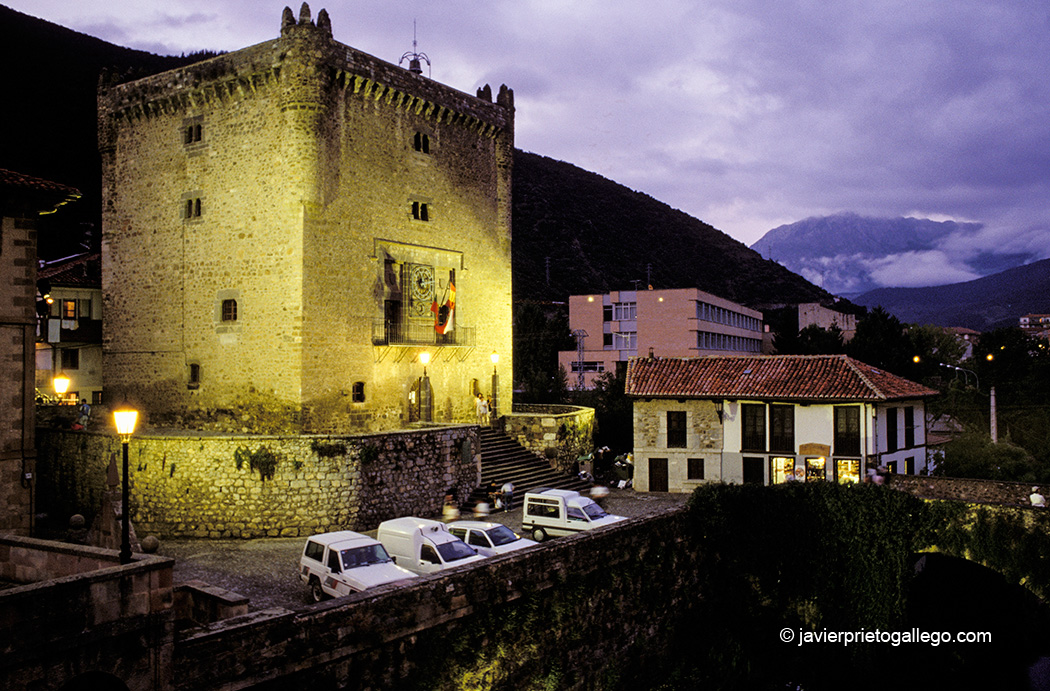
(288, 227)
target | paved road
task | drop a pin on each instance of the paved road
(266, 570)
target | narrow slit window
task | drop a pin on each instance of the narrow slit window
(420, 212)
(192, 208)
(421, 143)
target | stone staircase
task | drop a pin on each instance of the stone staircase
(504, 459)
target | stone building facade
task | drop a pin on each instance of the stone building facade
(22, 200)
(287, 229)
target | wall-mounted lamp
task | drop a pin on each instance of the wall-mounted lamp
(719, 408)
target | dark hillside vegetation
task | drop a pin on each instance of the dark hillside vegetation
(596, 235)
(51, 76)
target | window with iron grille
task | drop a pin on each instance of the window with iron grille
(229, 310)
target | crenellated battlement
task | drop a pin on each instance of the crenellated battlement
(266, 66)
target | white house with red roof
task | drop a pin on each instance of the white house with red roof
(769, 419)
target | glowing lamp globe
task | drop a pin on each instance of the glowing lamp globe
(125, 418)
(61, 383)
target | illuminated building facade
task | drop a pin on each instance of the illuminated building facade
(288, 227)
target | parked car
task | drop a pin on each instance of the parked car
(344, 562)
(489, 539)
(423, 545)
(551, 512)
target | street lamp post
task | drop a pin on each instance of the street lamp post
(125, 419)
(495, 385)
(425, 412)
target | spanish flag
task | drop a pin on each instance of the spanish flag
(445, 311)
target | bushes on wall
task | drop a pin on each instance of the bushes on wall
(262, 460)
(795, 558)
(1013, 541)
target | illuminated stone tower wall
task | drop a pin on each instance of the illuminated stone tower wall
(280, 221)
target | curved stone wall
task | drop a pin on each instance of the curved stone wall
(247, 486)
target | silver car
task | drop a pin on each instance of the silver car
(489, 539)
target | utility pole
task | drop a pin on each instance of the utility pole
(995, 424)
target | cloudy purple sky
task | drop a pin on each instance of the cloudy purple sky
(747, 114)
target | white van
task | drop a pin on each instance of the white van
(551, 512)
(489, 539)
(344, 562)
(424, 546)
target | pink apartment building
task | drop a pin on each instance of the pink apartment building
(682, 322)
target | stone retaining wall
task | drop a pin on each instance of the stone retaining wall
(560, 433)
(966, 489)
(261, 486)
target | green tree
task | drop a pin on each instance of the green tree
(814, 340)
(540, 331)
(973, 455)
(613, 410)
(880, 341)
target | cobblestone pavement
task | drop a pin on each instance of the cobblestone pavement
(266, 570)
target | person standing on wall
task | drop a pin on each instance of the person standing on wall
(85, 413)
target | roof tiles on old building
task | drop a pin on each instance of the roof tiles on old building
(775, 377)
(20, 192)
(81, 271)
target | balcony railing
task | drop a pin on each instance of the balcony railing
(419, 334)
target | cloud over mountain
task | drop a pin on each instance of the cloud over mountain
(848, 254)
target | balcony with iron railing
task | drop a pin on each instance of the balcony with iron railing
(388, 333)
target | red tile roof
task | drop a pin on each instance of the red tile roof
(776, 377)
(82, 270)
(42, 195)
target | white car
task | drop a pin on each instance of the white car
(344, 562)
(489, 539)
(552, 512)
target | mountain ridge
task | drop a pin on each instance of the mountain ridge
(981, 304)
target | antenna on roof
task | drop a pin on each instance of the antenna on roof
(414, 57)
